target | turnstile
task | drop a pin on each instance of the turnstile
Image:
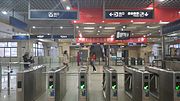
(31, 84)
(83, 94)
(110, 84)
(57, 84)
(136, 84)
(164, 84)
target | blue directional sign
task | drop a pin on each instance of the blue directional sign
(130, 14)
(20, 37)
(63, 36)
(53, 15)
(40, 36)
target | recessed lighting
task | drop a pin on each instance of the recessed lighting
(88, 27)
(124, 27)
(179, 12)
(64, 0)
(77, 27)
(100, 26)
(103, 21)
(89, 23)
(139, 23)
(144, 36)
(99, 31)
(33, 27)
(74, 21)
(109, 27)
(68, 8)
(48, 34)
(4, 12)
(61, 27)
(132, 21)
(161, 0)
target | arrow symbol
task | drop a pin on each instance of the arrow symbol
(111, 14)
(146, 14)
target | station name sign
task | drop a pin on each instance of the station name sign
(27, 37)
(130, 14)
(53, 15)
(122, 35)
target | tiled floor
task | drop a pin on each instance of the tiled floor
(95, 85)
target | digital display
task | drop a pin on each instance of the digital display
(82, 85)
(51, 85)
(19, 84)
(146, 86)
(114, 85)
(177, 85)
(20, 37)
(122, 35)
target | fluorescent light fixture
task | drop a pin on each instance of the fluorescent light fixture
(40, 36)
(149, 8)
(88, 27)
(89, 23)
(124, 26)
(88, 31)
(33, 27)
(4, 12)
(161, 22)
(139, 22)
(109, 27)
(131, 27)
(77, 27)
(153, 27)
(68, 8)
(161, 0)
(61, 27)
(173, 34)
(115, 23)
(100, 26)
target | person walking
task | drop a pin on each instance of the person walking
(92, 61)
(65, 59)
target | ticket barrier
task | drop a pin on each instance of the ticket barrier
(110, 84)
(164, 84)
(83, 94)
(136, 84)
(140, 61)
(31, 83)
(57, 84)
(133, 61)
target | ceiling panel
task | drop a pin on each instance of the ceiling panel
(169, 4)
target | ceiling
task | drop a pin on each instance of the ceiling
(21, 7)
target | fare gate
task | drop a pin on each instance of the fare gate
(57, 84)
(31, 83)
(83, 94)
(136, 84)
(110, 84)
(164, 84)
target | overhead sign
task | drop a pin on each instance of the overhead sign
(17, 23)
(20, 37)
(122, 35)
(53, 15)
(63, 36)
(40, 36)
(129, 14)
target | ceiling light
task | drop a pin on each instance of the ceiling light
(77, 27)
(132, 21)
(88, 27)
(132, 33)
(124, 26)
(4, 12)
(89, 23)
(33, 27)
(153, 27)
(179, 12)
(99, 31)
(109, 27)
(144, 36)
(68, 8)
(163, 22)
(122, 29)
(61, 27)
(88, 31)
(150, 8)
(139, 22)
(74, 21)
(48, 34)
(161, 0)
(112, 36)
(64, 0)
(100, 26)
(131, 27)
(103, 21)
